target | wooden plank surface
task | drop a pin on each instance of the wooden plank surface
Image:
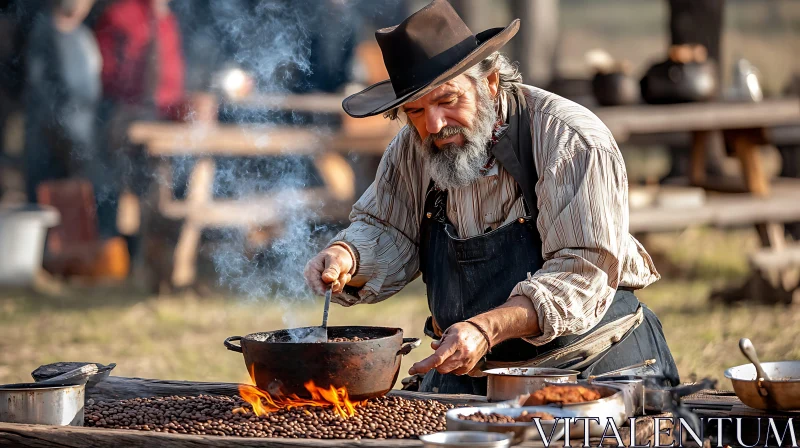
(173, 139)
(115, 388)
(723, 210)
(20, 435)
(624, 121)
(310, 102)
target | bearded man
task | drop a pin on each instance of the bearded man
(510, 201)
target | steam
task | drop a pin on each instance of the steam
(272, 43)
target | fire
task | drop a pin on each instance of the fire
(336, 398)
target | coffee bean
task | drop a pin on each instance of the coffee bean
(380, 418)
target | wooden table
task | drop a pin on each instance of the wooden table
(200, 210)
(114, 388)
(742, 124)
(744, 127)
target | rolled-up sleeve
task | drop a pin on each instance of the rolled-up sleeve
(384, 229)
(583, 223)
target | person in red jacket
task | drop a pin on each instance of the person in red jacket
(143, 80)
(143, 64)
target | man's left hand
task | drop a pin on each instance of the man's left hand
(457, 352)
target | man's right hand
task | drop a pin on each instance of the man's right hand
(332, 267)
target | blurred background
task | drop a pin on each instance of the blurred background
(167, 167)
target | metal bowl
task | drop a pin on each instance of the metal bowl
(780, 393)
(610, 407)
(508, 383)
(461, 439)
(519, 432)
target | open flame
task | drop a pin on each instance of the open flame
(336, 398)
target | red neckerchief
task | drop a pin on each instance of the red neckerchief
(500, 128)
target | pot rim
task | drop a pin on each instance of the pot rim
(32, 387)
(553, 373)
(395, 331)
(729, 373)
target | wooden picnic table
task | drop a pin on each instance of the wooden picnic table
(744, 127)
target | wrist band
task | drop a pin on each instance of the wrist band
(485, 335)
(353, 254)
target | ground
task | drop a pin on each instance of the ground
(180, 337)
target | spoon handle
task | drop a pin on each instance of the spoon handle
(325, 310)
(749, 351)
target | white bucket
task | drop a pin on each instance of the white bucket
(22, 234)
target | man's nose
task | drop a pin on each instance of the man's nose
(434, 121)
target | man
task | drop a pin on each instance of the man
(512, 204)
(62, 93)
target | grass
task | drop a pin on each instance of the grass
(180, 337)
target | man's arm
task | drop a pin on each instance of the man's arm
(383, 235)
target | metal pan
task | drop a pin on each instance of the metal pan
(42, 404)
(508, 383)
(780, 393)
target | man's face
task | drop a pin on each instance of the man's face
(451, 104)
(454, 104)
(453, 123)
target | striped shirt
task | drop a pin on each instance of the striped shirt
(582, 195)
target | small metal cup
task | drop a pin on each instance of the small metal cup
(462, 439)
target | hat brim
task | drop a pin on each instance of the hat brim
(378, 98)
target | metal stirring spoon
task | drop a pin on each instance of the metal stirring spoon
(749, 351)
(325, 311)
(319, 334)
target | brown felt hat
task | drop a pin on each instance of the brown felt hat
(427, 49)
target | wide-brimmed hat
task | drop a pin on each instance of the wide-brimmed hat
(427, 49)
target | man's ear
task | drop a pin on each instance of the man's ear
(494, 83)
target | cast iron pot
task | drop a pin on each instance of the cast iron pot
(615, 89)
(367, 368)
(671, 82)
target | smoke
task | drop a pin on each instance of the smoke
(272, 42)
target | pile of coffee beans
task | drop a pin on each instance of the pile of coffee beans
(381, 418)
(525, 417)
(488, 418)
(353, 339)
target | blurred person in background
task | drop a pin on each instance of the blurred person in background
(61, 96)
(143, 79)
(143, 67)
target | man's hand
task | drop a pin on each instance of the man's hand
(330, 267)
(457, 352)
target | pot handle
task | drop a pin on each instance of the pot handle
(408, 345)
(231, 347)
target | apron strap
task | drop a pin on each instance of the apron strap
(514, 150)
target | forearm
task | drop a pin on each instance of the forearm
(516, 318)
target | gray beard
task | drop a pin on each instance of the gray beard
(453, 166)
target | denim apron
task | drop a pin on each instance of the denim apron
(465, 277)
